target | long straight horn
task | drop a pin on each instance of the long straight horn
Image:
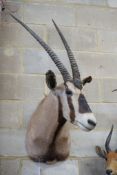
(74, 66)
(54, 57)
(108, 140)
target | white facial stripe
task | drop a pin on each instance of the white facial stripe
(73, 88)
(75, 104)
(74, 97)
(65, 106)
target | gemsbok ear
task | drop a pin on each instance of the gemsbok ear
(101, 153)
(86, 80)
(51, 80)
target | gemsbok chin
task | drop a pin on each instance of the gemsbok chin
(109, 155)
(47, 136)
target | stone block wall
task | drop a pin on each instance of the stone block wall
(90, 27)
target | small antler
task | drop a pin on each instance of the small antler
(108, 140)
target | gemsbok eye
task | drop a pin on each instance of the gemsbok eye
(69, 92)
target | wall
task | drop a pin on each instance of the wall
(90, 27)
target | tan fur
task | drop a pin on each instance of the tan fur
(41, 131)
(112, 162)
(62, 143)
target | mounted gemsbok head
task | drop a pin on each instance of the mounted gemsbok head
(48, 133)
(109, 155)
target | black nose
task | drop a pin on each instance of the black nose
(91, 122)
(108, 172)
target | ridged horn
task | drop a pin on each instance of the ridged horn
(107, 146)
(54, 57)
(74, 66)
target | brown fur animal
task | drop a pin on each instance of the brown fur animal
(47, 136)
(109, 155)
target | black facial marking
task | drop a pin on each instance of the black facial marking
(83, 105)
(72, 111)
(61, 119)
(69, 92)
